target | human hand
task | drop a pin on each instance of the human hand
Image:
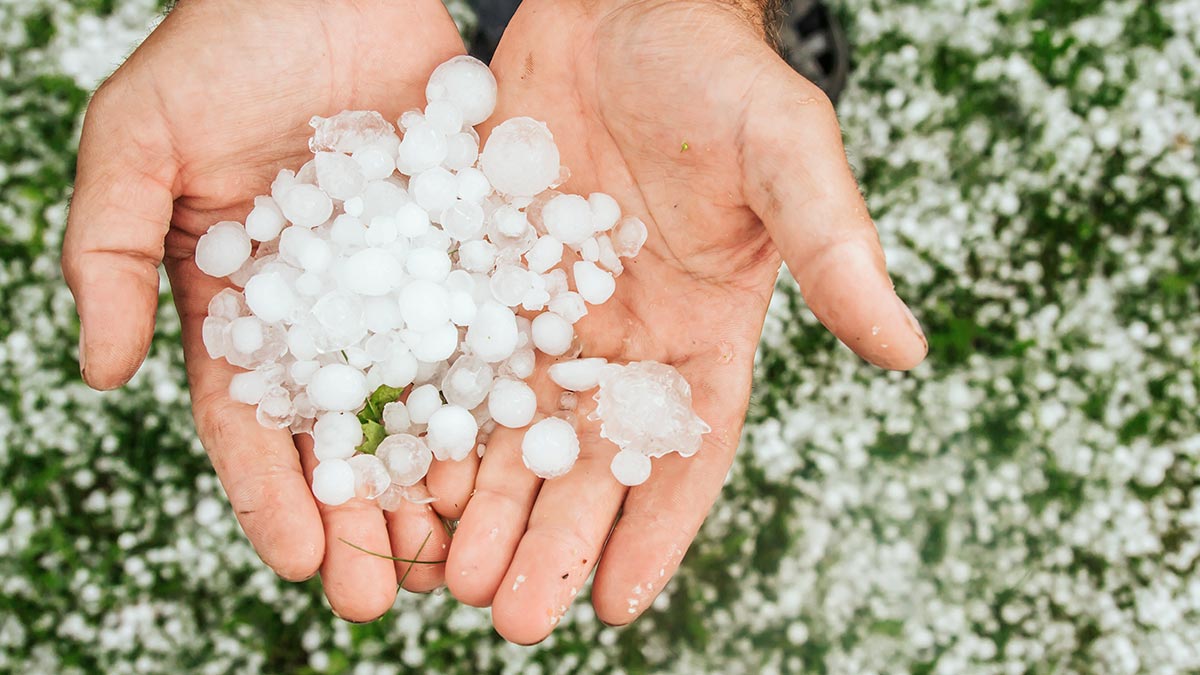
(193, 126)
(681, 111)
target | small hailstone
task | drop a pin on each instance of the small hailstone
(275, 410)
(569, 306)
(550, 447)
(222, 249)
(270, 297)
(552, 334)
(437, 344)
(467, 382)
(246, 334)
(520, 158)
(371, 478)
(382, 231)
(605, 211)
(578, 374)
(406, 457)
(467, 83)
(477, 255)
(395, 418)
(248, 388)
(568, 218)
(647, 406)
(434, 190)
(629, 236)
(444, 116)
(422, 402)
(347, 231)
(411, 220)
(410, 118)
(521, 363)
(212, 333)
(429, 264)
(265, 221)
(423, 148)
(473, 186)
(301, 372)
(463, 221)
(593, 284)
(340, 321)
(306, 205)
(492, 336)
(424, 305)
(544, 254)
(300, 343)
(509, 221)
(630, 467)
(462, 308)
(451, 432)
(376, 160)
(590, 249)
(338, 387)
(372, 271)
(339, 175)
(227, 304)
(398, 370)
(461, 151)
(510, 283)
(512, 403)
(333, 482)
(607, 258)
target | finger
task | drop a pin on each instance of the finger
(359, 586)
(493, 521)
(570, 522)
(661, 516)
(258, 467)
(799, 183)
(418, 533)
(120, 212)
(452, 482)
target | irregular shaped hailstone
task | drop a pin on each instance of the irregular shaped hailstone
(348, 131)
(550, 447)
(578, 374)
(466, 82)
(647, 406)
(520, 158)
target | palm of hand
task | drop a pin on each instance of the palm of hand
(185, 134)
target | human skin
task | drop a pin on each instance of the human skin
(185, 134)
(680, 110)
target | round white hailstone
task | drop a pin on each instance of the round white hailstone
(248, 388)
(423, 148)
(265, 221)
(451, 433)
(372, 271)
(412, 221)
(376, 160)
(336, 435)
(463, 221)
(301, 372)
(340, 321)
(568, 218)
(629, 236)
(578, 374)
(382, 231)
(292, 242)
(338, 387)
(520, 158)
(550, 448)
(605, 211)
(510, 283)
(630, 467)
(310, 284)
(590, 249)
(395, 418)
(339, 176)
(333, 482)
(316, 256)
(227, 304)
(521, 363)
(382, 314)
(473, 186)
(300, 343)
(461, 151)
(552, 334)
(460, 280)
(462, 308)
(422, 402)
(348, 231)
(381, 198)
(492, 336)
(410, 118)
(468, 84)
(270, 297)
(444, 116)
(509, 221)
(246, 334)
(306, 205)
(424, 305)
(512, 403)
(399, 370)
(429, 264)
(406, 457)
(435, 190)
(435, 238)
(477, 255)
(569, 306)
(467, 382)
(593, 284)
(544, 254)
(438, 344)
(371, 478)
(223, 249)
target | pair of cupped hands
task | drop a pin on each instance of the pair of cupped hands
(678, 108)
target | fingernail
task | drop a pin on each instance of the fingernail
(916, 325)
(82, 354)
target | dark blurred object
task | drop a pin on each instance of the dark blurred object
(810, 38)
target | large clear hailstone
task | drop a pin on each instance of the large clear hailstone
(406, 457)
(467, 83)
(520, 158)
(348, 131)
(647, 406)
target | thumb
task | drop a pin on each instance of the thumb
(120, 213)
(797, 180)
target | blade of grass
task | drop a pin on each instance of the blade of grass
(392, 557)
(418, 555)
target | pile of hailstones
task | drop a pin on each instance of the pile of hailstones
(392, 262)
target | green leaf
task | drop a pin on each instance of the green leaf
(373, 411)
(373, 435)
